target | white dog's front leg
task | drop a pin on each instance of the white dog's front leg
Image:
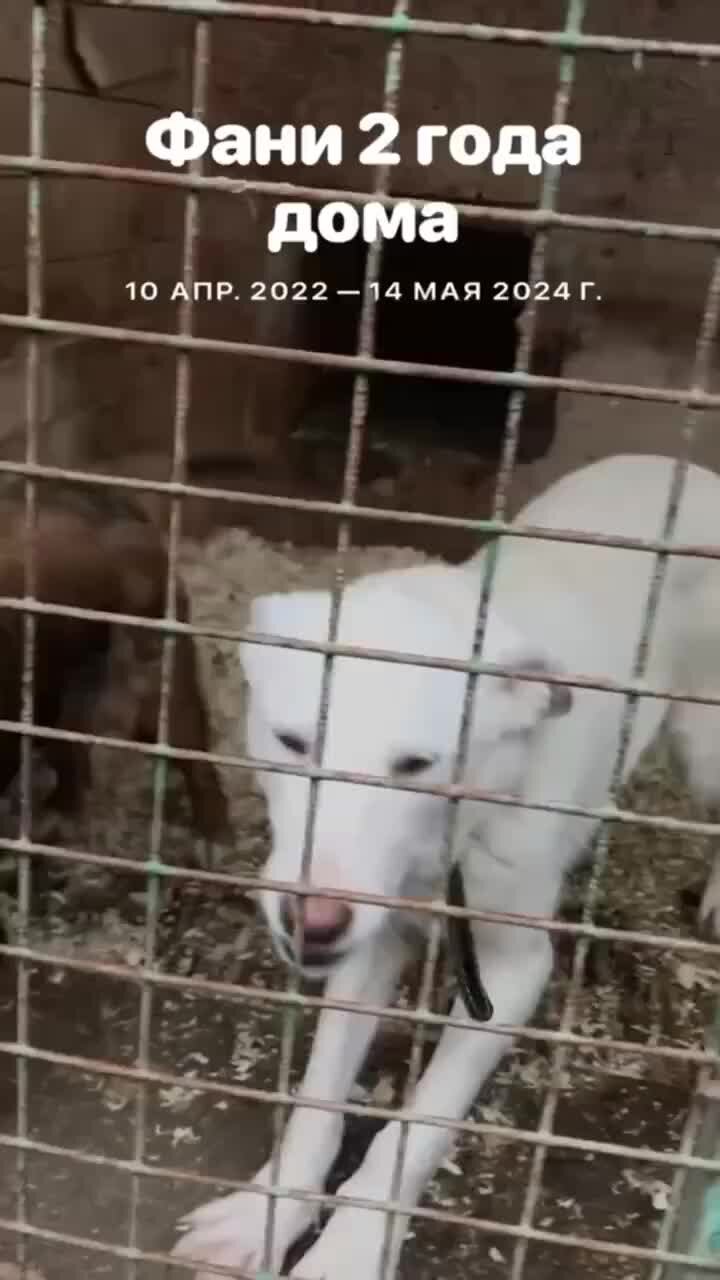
(231, 1231)
(515, 967)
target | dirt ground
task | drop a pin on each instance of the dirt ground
(651, 882)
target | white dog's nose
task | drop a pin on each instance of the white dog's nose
(324, 921)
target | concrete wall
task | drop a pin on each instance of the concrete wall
(95, 235)
(647, 154)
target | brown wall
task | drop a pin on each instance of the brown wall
(647, 154)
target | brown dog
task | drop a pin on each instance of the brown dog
(96, 550)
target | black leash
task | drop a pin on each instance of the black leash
(462, 952)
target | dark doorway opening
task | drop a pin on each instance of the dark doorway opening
(410, 412)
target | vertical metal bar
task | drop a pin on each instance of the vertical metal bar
(686, 1219)
(358, 424)
(200, 69)
(687, 1194)
(35, 291)
(706, 335)
(574, 20)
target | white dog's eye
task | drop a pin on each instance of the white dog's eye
(411, 766)
(294, 743)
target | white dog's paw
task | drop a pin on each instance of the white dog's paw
(231, 1232)
(350, 1248)
(709, 913)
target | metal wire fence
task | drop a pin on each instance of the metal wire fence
(420, 1021)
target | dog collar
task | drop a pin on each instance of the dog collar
(463, 955)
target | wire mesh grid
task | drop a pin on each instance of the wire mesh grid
(420, 1021)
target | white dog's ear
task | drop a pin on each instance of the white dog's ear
(533, 700)
(294, 615)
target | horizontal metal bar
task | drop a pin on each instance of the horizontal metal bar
(257, 882)
(352, 511)
(178, 1175)
(279, 1192)
(165, 626)
(482, 33)
(689, 398)
(29, 1231)
(449, 791)
(245, 1093)
(444, 1217)
(528, 219)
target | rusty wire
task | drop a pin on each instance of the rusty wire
(523, 355)
(422, 906)
(248, 995)
(353, 511)
(362, 363)
(575, 15)
(393, 79)
(412, 1017)
(35, 282)
(199, 91)
(527, 219)
(566, 41)
(487, 1226)
(351, 476)
(706, 336)
(148, 978)
(607, 813)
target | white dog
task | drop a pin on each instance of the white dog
(565, 607)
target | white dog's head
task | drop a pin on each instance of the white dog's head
(396, 721)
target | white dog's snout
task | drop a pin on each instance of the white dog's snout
(324, 921)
